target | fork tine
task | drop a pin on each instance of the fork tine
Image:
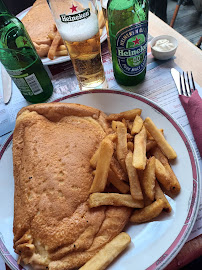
(188, 85)
(193, 81)
(181, 89)
(188, 82)
(185, 87)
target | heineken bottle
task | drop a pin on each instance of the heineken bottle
(19, 57)
(128, 30)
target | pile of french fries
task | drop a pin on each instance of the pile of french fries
(57, 47)
(134, 159)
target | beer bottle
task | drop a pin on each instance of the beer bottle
(19, 57)
(128, 30)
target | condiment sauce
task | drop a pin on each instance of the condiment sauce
(163, 45)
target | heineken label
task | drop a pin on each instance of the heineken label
(131, 48)
(75, 17)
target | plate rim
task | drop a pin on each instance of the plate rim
(181, 238)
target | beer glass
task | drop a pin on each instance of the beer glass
(104, 10)
(77, 24)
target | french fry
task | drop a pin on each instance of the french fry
(162, 175)
(115, 199)
(147, 201)
(149, 136)
(160, 195)
(51, 35)
(102, 168)
(137, 125)
(112, 137)
(150, 144)
(61, 53)
(148, 213)
(61, 48)
(139, 154)
(114, 125)
(118, 170)
(128, 115)
(90, 6)
(108, 253)
(135, 188)
(127, 123)
(124, 121)
(159, 155)
(130, 125)
(159, 138)
(100, 31)
(94, 159)
(117, 183)
(130, 146)
(56, 41)
(174, 183)
(101, 19)
(121, 148)
(130, 137)
(148, 181)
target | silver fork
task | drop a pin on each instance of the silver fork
(185, 85)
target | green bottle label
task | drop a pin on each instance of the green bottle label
(22, 42)
(27, 83)
(131, 48)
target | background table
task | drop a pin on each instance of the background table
(188, 56)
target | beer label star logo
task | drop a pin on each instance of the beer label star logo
(24, 41)
(73, 8)
(136, 41)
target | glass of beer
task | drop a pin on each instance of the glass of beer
(77, 24)
(104, 10)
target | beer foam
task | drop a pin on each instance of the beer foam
(104, 3)
(80, 30)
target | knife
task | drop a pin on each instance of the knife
(176, 78)
(7, 85)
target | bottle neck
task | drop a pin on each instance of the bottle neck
(3, 8)
(4, 13)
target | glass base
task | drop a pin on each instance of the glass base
(102, 85)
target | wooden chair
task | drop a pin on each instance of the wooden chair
(179, 2)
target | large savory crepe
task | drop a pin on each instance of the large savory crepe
(39, 24)
(54, 228)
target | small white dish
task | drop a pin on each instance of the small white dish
(164, 55)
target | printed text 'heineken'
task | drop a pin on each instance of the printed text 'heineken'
(128, 30)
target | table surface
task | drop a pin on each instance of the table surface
(188, 56)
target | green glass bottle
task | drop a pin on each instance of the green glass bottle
(19, 57)
(128, 31)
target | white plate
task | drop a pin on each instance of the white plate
(60, 59)
(154, 244)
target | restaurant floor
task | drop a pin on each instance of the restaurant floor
(188, 22)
